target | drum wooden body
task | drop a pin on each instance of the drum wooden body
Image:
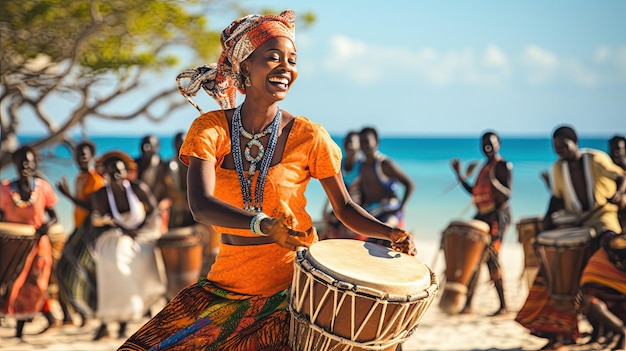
(182, 255)
(16, 241)
(527, 230)
(58, 237)
(464, 244)
(561, 258)
(353, 295)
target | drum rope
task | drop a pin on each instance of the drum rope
(400, 322)
(306, 331)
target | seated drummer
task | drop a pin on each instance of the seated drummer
(491, 194)
(588, 184)
(603, 287)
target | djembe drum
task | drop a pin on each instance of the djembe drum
(182, 256)
(464, 244)
(561, 259)
(527, 230)
(16, 241)
(354, 295)
(58, 237)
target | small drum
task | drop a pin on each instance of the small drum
(182, 255)
(561, 259)
(16, 241)
(57, 236)
(464, 244)
(527, 230)
(354, 295)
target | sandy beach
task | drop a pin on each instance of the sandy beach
(437, 332)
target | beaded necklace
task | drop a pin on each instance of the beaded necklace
(262, 156)
(16, 196)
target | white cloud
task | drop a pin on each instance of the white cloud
(367, 63)
(542, 66)
(601, 54)
(580, 74)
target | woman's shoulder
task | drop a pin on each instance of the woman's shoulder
(216, 118)
(306, 127)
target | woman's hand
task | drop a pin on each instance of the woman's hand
(456, 166)
(619, 199)
(402, 241)
(64, 187)
(99, 220)
(282, 235)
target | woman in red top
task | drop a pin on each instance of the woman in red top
(29, 200)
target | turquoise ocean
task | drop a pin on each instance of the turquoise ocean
(425, 159)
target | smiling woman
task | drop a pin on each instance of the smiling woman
(249, 167)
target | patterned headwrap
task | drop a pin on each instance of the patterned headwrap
(221, 80)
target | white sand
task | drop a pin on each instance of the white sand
(438, 331)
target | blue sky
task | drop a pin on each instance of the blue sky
(448, 68)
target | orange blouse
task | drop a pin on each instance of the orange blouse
(309, 153)
(86, 184)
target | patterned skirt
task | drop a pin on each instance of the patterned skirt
(603, 280)
(206, 317)
(542, 318)
(76, 270)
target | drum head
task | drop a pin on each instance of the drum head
(472, 223)
(565, 237)
(180, 232)
(530, 220)
(371, 265)
(16, 229)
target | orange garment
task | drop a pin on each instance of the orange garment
(484, 199)
(28, 293)
(86, 184)
(309, 153)
(35, 214)
(600, 271)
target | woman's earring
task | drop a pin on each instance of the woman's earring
(247, 82)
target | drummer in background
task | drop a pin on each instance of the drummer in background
(586, 183)
(176, 188)
(379, 178)
(617, 150)
(180, 214)
(242, 304)
(603, 287)
(86, 183)
(152, 170)
(30, 200)
(350, 170)
(491, 195)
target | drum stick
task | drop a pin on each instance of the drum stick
(582, 219)
(468, 172)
